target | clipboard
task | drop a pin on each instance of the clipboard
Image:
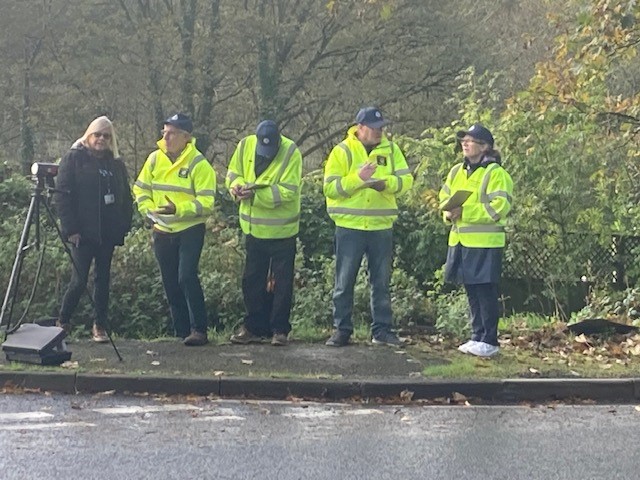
(157, 220)
(456, 200)
(254, 186)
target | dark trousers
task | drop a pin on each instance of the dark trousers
(82, 257)
(483, 302)
(178, 255)
(268, 312)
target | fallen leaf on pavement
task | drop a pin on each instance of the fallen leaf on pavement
(406, 395)
(534, 371)
(69, 364)
(98, 360)
(155, 363)
(218, 373)
(151, 353)
(106, 393)
(247, 362)
(458, 397)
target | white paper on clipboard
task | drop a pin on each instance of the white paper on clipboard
(157, 220)
(456, 200)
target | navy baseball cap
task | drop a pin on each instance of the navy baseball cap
(371, 117)
(479, 132)
(268, 139)
(181, 121)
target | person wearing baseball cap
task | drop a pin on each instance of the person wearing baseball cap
(175, 191)
(477, 236)
(362, 178)
(265, 177)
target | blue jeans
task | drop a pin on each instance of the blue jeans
(351, 246)
(483, 303)
(178, 255)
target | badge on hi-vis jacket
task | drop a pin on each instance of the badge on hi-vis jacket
(381, 160)
(183, 173)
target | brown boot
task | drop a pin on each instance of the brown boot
(98, 334)
(196, 339)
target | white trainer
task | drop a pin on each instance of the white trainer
(481, 349)
(464, 348)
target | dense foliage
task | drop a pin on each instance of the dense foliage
(567, 127)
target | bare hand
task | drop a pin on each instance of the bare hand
(378, 186)
(168, 209)
(366, 171)
(242, 193)
(75, 239)
(454, 214)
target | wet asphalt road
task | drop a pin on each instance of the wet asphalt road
(108, 437)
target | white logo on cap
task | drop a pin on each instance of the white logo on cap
(378, 114)
(265, 140)
(175, 117)
(472, 128)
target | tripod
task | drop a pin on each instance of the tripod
(40, 196)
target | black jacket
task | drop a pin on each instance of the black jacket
(83, 181)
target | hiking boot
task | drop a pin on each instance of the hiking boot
(245, 337)
(196, 339)
(387, 338)
(464, 348)
(279, 340)
(339, 338)
(481, 349)
(98, 334)
(64, 326)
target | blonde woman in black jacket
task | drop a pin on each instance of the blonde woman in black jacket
(94, 204)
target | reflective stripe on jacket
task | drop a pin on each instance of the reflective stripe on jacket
(350, 202)
(484, 212)
(274, 210)
(189, 182)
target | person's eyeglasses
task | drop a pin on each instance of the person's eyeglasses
(105, 135)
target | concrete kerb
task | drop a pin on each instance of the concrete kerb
(492, 391)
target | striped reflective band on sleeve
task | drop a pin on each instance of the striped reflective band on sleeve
(374, 212)
(289, 186)
(142, 198)
(241, 153)
(232, 175)
(205, 192)
(445, 188)
(199, 207)
(484, 198)
(338, 180)
(403, 171)
(268, 221)
(140, 184)
(343, 146)
(499, 193)
(277, 198)
(479, 229)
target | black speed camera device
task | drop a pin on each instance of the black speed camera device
(39, 169)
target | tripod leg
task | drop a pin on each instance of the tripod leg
(14, 279)
(75, 266)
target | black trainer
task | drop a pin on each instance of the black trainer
(339, 338)
(387, 338)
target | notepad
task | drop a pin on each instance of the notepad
(157, 220)
(456, 200)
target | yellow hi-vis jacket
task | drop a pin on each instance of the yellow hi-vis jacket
(350, 202)
(189, 182)
(484, 213)
(274, 210)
